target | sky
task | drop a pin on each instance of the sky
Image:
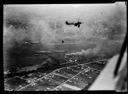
(103, 26)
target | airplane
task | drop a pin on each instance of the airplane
(72, 23)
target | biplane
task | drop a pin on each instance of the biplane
(77, 24)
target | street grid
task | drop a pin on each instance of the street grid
(54, 72)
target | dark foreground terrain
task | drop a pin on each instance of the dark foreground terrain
(74, 73)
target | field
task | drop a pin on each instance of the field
(69, 75)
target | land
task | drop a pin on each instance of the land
(74, 73)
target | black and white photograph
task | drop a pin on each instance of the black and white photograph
(65, 47)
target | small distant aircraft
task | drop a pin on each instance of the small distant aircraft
(72, 23)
